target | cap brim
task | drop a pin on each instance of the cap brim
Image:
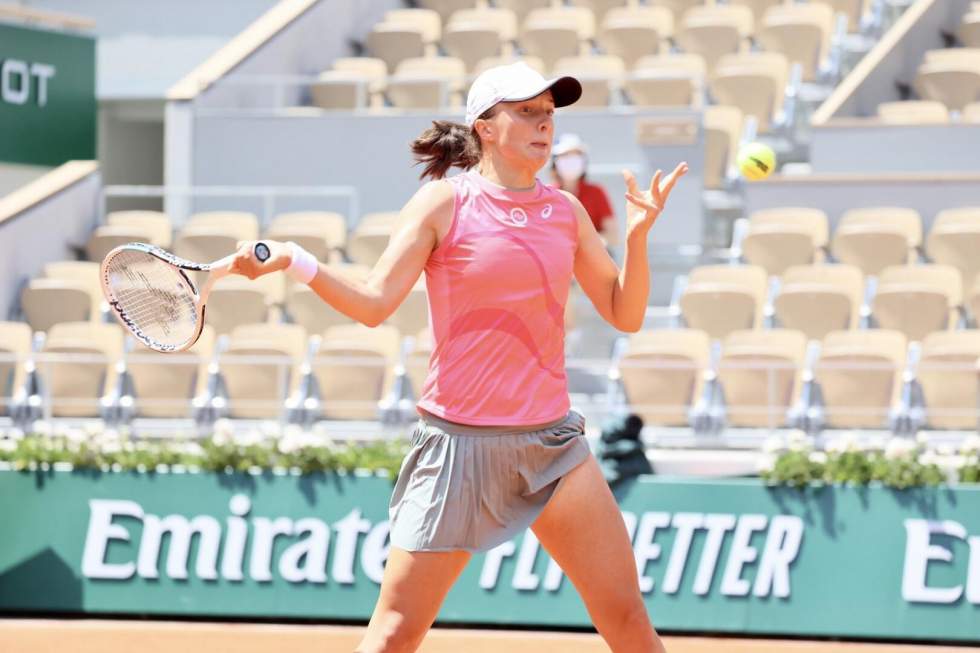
(564, 91)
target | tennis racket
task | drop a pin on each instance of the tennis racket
(151, 294)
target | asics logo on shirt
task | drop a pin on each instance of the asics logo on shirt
(546, 213)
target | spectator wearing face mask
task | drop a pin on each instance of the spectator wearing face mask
(569, 163)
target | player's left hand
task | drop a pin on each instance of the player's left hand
(643, 207)
(247, 264)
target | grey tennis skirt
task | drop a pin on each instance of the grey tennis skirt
(469, 489)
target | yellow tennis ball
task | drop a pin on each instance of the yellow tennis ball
(756, 161)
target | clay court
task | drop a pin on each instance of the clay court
(95, 636)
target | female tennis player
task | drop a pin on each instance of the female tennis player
(497, 448)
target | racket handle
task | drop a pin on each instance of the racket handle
(261, 251)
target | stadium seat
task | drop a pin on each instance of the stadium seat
(918, 299)
(557, 32)
(752, 81)
(780, 238)
(386, 219)
(722, 130)
(801, 32)
(969, 30)
(240, 224)
(758, 7)
(84, 271)
(204, 244)
(818, 299)
(412, 315)
(446, 8)
(74, 388)
(46, 302)
(973, 300)
(948, 374)
(404, 34)
(667, 80)
(632, 33)
(155, 223)
(491, 62)
(720, 299)
(955, 240)
(677, 7)
(165, 384)
(523, 7)
(662, 373)
(601, 8)
(321, 233)
(475, 34)
(366, 244)
(714, 31)
(971, 113)
(236, 300)
(107, 237)
(759, 373)
(427, 83)
(260, 368)
(860, 376)
(353, 369)
(305, 307)
(351, 83)
(875, 238)
(954, 83)
(913, 112)
(853, 9)
(15, 347)
(601, 76)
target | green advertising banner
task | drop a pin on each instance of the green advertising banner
(47, 96)
(714, 556)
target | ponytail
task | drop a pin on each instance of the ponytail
(444, 145)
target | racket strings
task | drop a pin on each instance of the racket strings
(153, 298)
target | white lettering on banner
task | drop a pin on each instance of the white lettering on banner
(973, 573)
(15, 81)
(307, 550)
(919, 551)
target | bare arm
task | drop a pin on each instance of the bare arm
(373, 300)
(620, 295)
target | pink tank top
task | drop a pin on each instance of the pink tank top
(497, 286)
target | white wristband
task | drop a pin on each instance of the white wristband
(303, 266)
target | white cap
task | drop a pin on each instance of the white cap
(569, 143)
(513, 83)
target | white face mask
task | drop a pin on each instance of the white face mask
(570, 167)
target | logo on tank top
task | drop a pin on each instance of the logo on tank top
(546, 213)
(517, 217)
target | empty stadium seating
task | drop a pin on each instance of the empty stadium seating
(720, 299)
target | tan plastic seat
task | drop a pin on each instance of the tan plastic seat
(204, 245)
(427, 83)
(758, 7)
(860, 376)
(853, 9)
(260, 368)
(74, 387)
(918, 299)
(523, 7)
(662, 373)
(393, 43)
(166, 384)
(874, 238)
(971, 113)
(491, 62)
(236, 300)
(632, 33)
(949, 377)
(818, 299)
(46, 302)
(557, 32)
(240, 224)
(321, 233)
(714, 31)
(802, 32)
(967, 57)
(969, 30)
(15, 347)
(954, 84)
(667, 80)
(913, 112)
(601, 8)
(354, 369)
(475, 34)
(752, 81)
(600, 76)
(760, 375)
(107, 237)
(955, 240)
(379, 219)
(446, 8)
(722, 130)
(720, 299)
(306, 308)
(351, 83)
(412, 315)
(156, 223)
(366, 244)
(87, 271)
(783, 237)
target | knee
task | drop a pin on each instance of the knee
(392, 633)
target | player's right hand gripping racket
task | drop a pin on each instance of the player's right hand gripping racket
(155, 299)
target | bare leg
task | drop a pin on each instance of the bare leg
(412, 590)
(598, 559)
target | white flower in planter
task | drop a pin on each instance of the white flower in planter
(970, 444)
(928, 457)
(248, 438)
(899, 448)
(798, 441)
(15, 433)
(773, 444)
(41, 427)
(818, 457)
(8, 444)
(93, 429)
(224, 430)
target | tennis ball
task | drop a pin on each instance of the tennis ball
(756, 161)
